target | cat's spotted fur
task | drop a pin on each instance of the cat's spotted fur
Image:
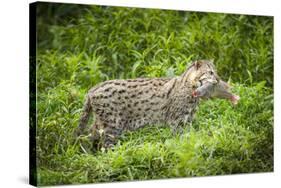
(120, 105)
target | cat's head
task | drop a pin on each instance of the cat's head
(206, 83)
(201, 71)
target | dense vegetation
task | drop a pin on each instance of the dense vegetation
(80, 46)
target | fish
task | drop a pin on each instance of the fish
(221, 90)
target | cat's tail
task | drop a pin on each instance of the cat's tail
(87, 109)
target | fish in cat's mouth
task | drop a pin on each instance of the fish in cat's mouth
(220, 89)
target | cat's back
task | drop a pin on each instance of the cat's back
(132, 96)
(135, 87)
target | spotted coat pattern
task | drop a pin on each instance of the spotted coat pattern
(120, 105)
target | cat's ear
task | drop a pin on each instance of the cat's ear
(197, 64)
(211, 62)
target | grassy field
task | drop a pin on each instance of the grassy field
(81, 46)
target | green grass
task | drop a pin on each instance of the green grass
(80, 46)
